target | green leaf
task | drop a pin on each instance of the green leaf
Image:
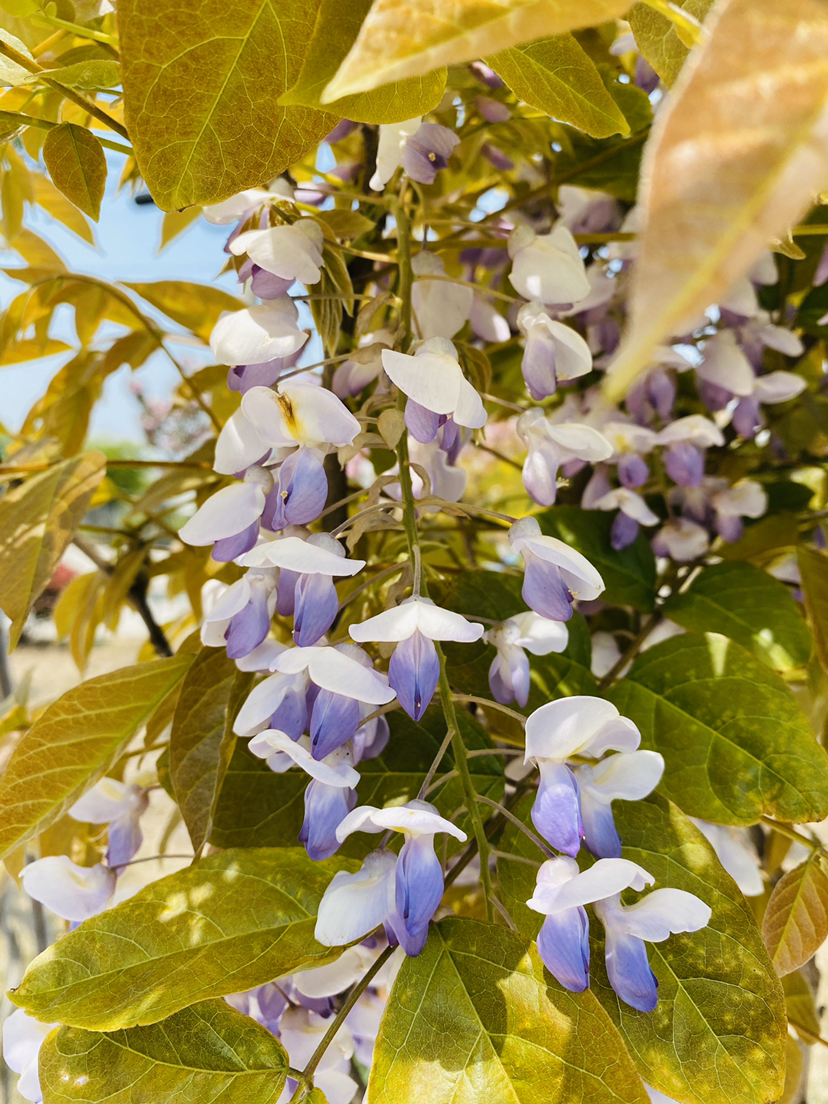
(336, 28)
(735, 743)
(473, 1020)
(201, 90)
(202, 739)
(748, 605)
(718, 1032)
(75, 742)
(411, 38)
(208, 1052)
(557, 75)
(657, 39)
(37, 521)
(10, 72)
(795, 923)
(196, 306)
(88, 75)
(813, 566)
(77, 165)
(335, 285)
(629, 575)
(259, 808)
(231, 922)
(344, 225)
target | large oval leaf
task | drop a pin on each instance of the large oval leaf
(200, 92)
(77, 165)
(74, 743)
(795, 923)
(205, 1053)
(473, 1021)
(233, 921)
(735, 743)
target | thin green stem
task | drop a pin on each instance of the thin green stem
(491, 705)
(81, 32)
(538, 842)
(791, 833)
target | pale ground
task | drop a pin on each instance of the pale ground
(52, 672)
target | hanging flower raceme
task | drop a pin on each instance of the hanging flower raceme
(400, 891)
(509, 670)
(547, 267)
(552, 444)
(433, 380)
(563, 942)
(555, 573)
(587, 727)
(553, 351)
(307, 565)
(415, 667)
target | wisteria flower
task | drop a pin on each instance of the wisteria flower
(415, 668)
(547, 267)
(23, 1036)
(237, 207)
(433, 379)
(550, 445)
(299, 413)
(238, 616)
(747, 498)
(681, 539)
(120, 805)
(630, 777)
(258, 334)
(291, 252)
(229, 519)
(71, 891)
(392, 140)
(509, 670)
(633, 512)
(238, 446)
(553, 351)
(440, 308)
(428, 150)
(687, 438)
(555, 573)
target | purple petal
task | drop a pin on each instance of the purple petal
(538, 364)
(227, 548)
(632, 470)
(334, 720)
(125, 838)
(427, 151)
(267, 285)
(291, 715)
(600, 833)
(413, 673)
(557, 810)
(544, 590)
(629, 971)
(244, 376)
(286, 592)
(419, 886)
(301, 490)
(316, 608)
(249, 627)
(729, 528)
(747, 418)
(325, 809)
(624, 531)
(563, 944)
(421, 423)
(685, 464)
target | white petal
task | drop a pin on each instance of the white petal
(662, 913)
(777, 337)
(338, 1087)
(262, 702)
(299, 413)
(333, 770)
(469, 411)
(578, 573)
(440, 308)
(684, 539)
(224, 514)
(238, 445)
(630, 503)
(71, 891)
(293, 252)
(736, 854)
(554, 893)
(308, 557)
(22, 1037)
(695, 428)
(539, 635)
(548, 267)
(580, 441)
(577, 724)
(262, 657)
(354, 905)
(725, 365)
(109, 798)
(390, 625)
(336, 977)
(236, 207)
(630, 776)
(431, 379)
(777, 387)
(572, 354)
(257, 334)
(487, 322)
(392, 138)
(331, 670)
(416, 818)
(747, 498)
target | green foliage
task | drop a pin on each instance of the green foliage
(233, 921)
(475, 1017)
(735, 743)
(205, 1052)
(660, 41)
(77, 165)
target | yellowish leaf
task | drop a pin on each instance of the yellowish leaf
(796, 920)
(201, 84)
(196, 306)
(37, 521)
(658, 39)
(733, 160)
(59, 207)
(75, 742)
(77, 165)
(557, 75)
(813, 566)
(413, 37)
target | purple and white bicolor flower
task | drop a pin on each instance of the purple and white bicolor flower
(433, 380)
(446, 480)
(440, 308)
(681, 539)
(400, 891)
(237, 207)
(120, 805)
(427, 151)
(279, 701)
(630, 443)
(23, 1036)
(628, 777)
(550, 445)
(258, 334)
(686, 439)
(583, 726)
(306, 588)
(736, 853)
(555, 573)
(349, 688)
(547, 267)
(525, 632)
(553, 351)
(290, 252)
(238, 616)
(747, 498)
(392, 139)
(229, 519)
(70, 891)
(633, 511)
(415, 668)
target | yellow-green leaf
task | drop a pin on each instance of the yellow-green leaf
(413, 37)
(206, 1053)
(657, 38)
(59, 207)
(813, 566)
(196, 306)
(88, 75)
(231, 922)
(10, 72)
(734, 158)
(200, 91)
(557, 75)
(75, 742)
(473, 1020)
(337, 25)
(202, 740)
(77, 165)
(37, 521)
(795, 923)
